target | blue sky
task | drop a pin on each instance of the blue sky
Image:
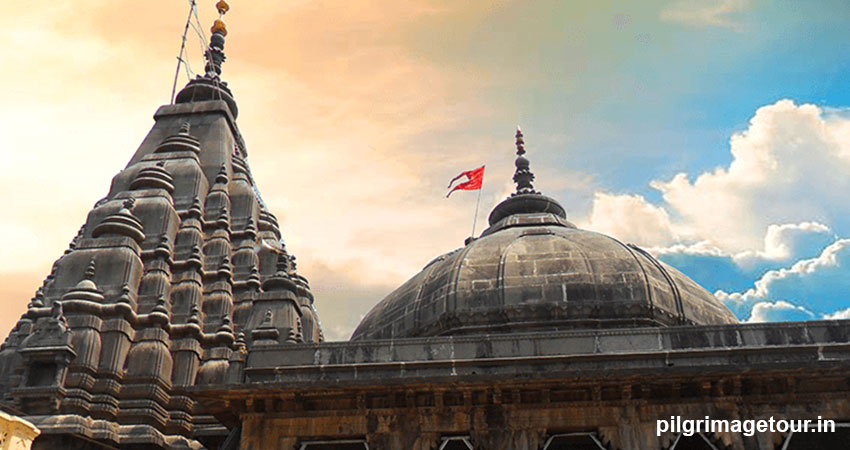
(640, 94)
(706, 82)
(672, 93)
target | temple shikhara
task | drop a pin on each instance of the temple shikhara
(176, 319)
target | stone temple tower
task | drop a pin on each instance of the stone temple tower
(174, 275)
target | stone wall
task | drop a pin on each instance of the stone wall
(514, 391)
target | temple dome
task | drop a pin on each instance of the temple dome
(532, 270)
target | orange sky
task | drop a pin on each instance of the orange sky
(345, 121)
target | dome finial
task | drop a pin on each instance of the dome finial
(520, 144)
(525, 200)
(523, 176)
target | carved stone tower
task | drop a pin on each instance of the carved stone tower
(175, 274)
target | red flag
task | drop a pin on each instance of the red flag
(473, 182)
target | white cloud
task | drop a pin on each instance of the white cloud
(780, 311)
(768, 216)
(788, 242)
(789, 166)
(818, 284)
(705, 14)
(782, 243)
(838, 315)
(715, 268)
(631, 218)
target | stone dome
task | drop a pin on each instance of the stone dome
(532, 270)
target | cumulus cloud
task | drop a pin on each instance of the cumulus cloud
(785, 184)
(779, 312)
(715, 268)
(789, 166)
(763, 229)
(631, 218)
(788, 242)
(818, 285)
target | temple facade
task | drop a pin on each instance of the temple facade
(177, 319)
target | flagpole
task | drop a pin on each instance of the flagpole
(475, 217)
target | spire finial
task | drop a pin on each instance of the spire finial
(222, 7)
(240, 343)
(161, 306)
(194, 316)
(221, 176)
(520, 144)
(90, 270)
(215, 53)
(125, 294)
(523, 176)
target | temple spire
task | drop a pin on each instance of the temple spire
(523, 176)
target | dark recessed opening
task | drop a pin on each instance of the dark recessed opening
(334, 445)
(574, 441)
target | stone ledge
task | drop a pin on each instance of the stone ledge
(609, 365)
(541, 344)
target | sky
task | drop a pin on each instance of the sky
(714, 133)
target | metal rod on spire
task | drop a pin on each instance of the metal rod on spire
(182, 49)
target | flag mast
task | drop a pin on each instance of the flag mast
(474, 182)
(477, 202)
